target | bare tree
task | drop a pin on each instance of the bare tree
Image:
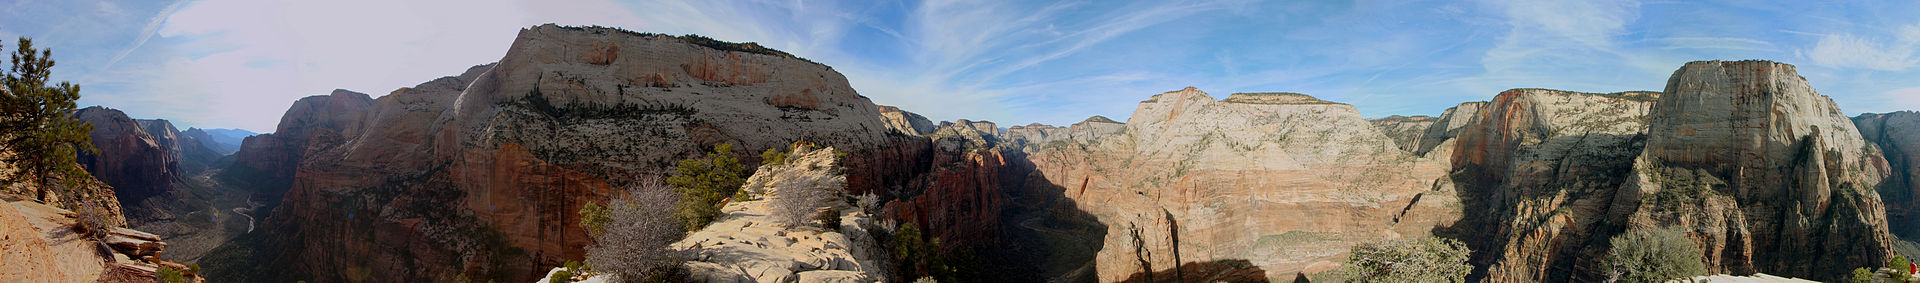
(634, 245)
(802, 195)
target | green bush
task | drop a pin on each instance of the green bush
(1861, 275)
(1899, 266)
(1654, 256)
(773, 156)
(1421, 260)
(703, 182)
(169, 275)
(594, 218)
(562, 276)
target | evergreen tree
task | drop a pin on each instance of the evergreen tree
(703, 182)
(37, 126)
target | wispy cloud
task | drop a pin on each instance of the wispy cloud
(1851, 51)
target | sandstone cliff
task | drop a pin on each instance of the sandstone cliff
(1278, 182)
(190, 154)
(1764, 172)
(482, 174)
(135, 163)
(1541, 168)
(1898, 136)
(905, 122)
(1780, 181)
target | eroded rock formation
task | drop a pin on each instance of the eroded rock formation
(1283, 180)
(1898, 136)
(483, 174)
(749, 244)
(135, 163)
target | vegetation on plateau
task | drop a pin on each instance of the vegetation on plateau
(1415, 260)
(631, 236)
(1654, 256)
(703, 183)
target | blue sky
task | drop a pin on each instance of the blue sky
(240, 63)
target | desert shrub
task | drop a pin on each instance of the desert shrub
(1899, 265)
(1861, 275)
(562, 276)
(773, 156)
(91, 220)
(801, 195)
(1654, 256)
(167, 274)
(594, 218)
(1418, 260)
(634, 245)
(869, 202)
(702, 183)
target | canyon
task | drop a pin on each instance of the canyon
(481, 175)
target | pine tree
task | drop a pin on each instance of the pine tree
(37, 124)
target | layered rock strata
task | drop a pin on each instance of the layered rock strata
(483, 174)
(1281, 182)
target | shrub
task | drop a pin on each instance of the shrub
(634, 246)
(1861, 275)
(562, 276)
(1899, 264)
(594, 218)
(167, 274)
(802, 194)
(1654, 256)
(1421, 260)
(702, 183)
(91, 220)
(773, 156)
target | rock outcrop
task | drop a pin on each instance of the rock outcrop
(270, 160)
(39, 243)
(750, 244)
(1285, 181)
(1436, 143)
(1406, 131)
(906, 122)
(135, 163)
(1761, 171)
(1540, 168)
(1768, 172)
(483, 174)
(1898, 136)
(190, 154)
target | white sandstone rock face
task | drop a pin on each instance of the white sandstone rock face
(1768, 172)
(906, 122)
(748, 243)
(1284, 181)
(1436, 143)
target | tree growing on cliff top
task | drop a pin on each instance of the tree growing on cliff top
(1421, 260)
(633, 243)
(37, 126)
(1654, 256)
(703, 183)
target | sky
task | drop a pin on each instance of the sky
(241, 63)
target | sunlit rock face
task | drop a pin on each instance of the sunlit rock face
(483, 173)
(1781, 181)
(1762, 172)
(1281, 182)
